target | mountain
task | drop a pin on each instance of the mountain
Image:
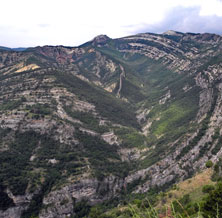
(5, 48)
(89, 124)
(13, 49)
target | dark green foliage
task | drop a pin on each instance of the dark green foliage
(18, 155)
(39, 109)
(184, 207)
(203, 150)
(217, 147)
(88, 119)
(133, 184)
(69, 159)
(131, 91)
(17, 178)
(216, 134)
(81, 209)
(4, 132)
(5, 200)
(209, 164)
(39, 59)
(96, 212)
(175, 38)
(33, 60)
(207, 188)
(217, 174)
(212, 206)
(103, 157)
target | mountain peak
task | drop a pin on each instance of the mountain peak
(172, 33)
(100, 40)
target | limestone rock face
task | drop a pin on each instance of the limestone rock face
(21, 203)
(61, 203)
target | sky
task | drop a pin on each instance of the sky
(28, 23)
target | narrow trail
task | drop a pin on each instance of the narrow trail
(122, 74)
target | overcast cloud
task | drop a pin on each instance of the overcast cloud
(26, 23)
(186, 20)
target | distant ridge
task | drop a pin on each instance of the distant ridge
(12, 49)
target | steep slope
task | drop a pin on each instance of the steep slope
(109, 117)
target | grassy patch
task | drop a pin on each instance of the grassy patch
(170, 118)
(130, 137)
(192, 186)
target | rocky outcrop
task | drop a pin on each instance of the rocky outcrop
(60, 203)
(100, 40)
(21, 203)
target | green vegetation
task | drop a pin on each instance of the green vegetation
(38, 111)
(131, 91)
(217, 175)
(30, 172)
(202, 131)
(186, 206)
(209, 164)
(207, 188)
(33, 60)
(81, 209)
(217, 147)
(103, 158)
(119, 112)
(173, 117)
(196, 139)
(36, 202)
(90, 121)
(11, 104)
(5, 200)
(212, 206)
(130, 138)
(16, 177)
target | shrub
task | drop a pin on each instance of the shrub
(212, 207)
(209, 164)
(207, 188)
(5, 200)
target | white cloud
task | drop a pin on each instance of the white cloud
(72, 22)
